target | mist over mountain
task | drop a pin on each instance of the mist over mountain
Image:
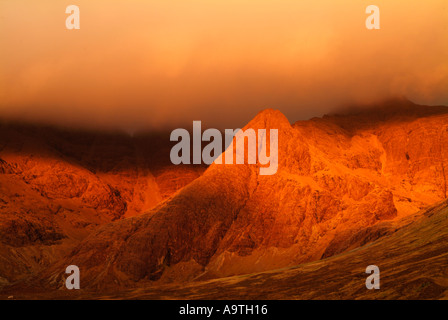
(157, 64)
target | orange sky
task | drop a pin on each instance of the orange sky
(166, 62)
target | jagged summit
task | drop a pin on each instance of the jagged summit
(269, 119)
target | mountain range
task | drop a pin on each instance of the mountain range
(366, 185)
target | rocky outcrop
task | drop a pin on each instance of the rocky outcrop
(57, 186)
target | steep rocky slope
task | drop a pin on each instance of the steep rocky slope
(57, 186)
(338, 176)
(412, 258)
